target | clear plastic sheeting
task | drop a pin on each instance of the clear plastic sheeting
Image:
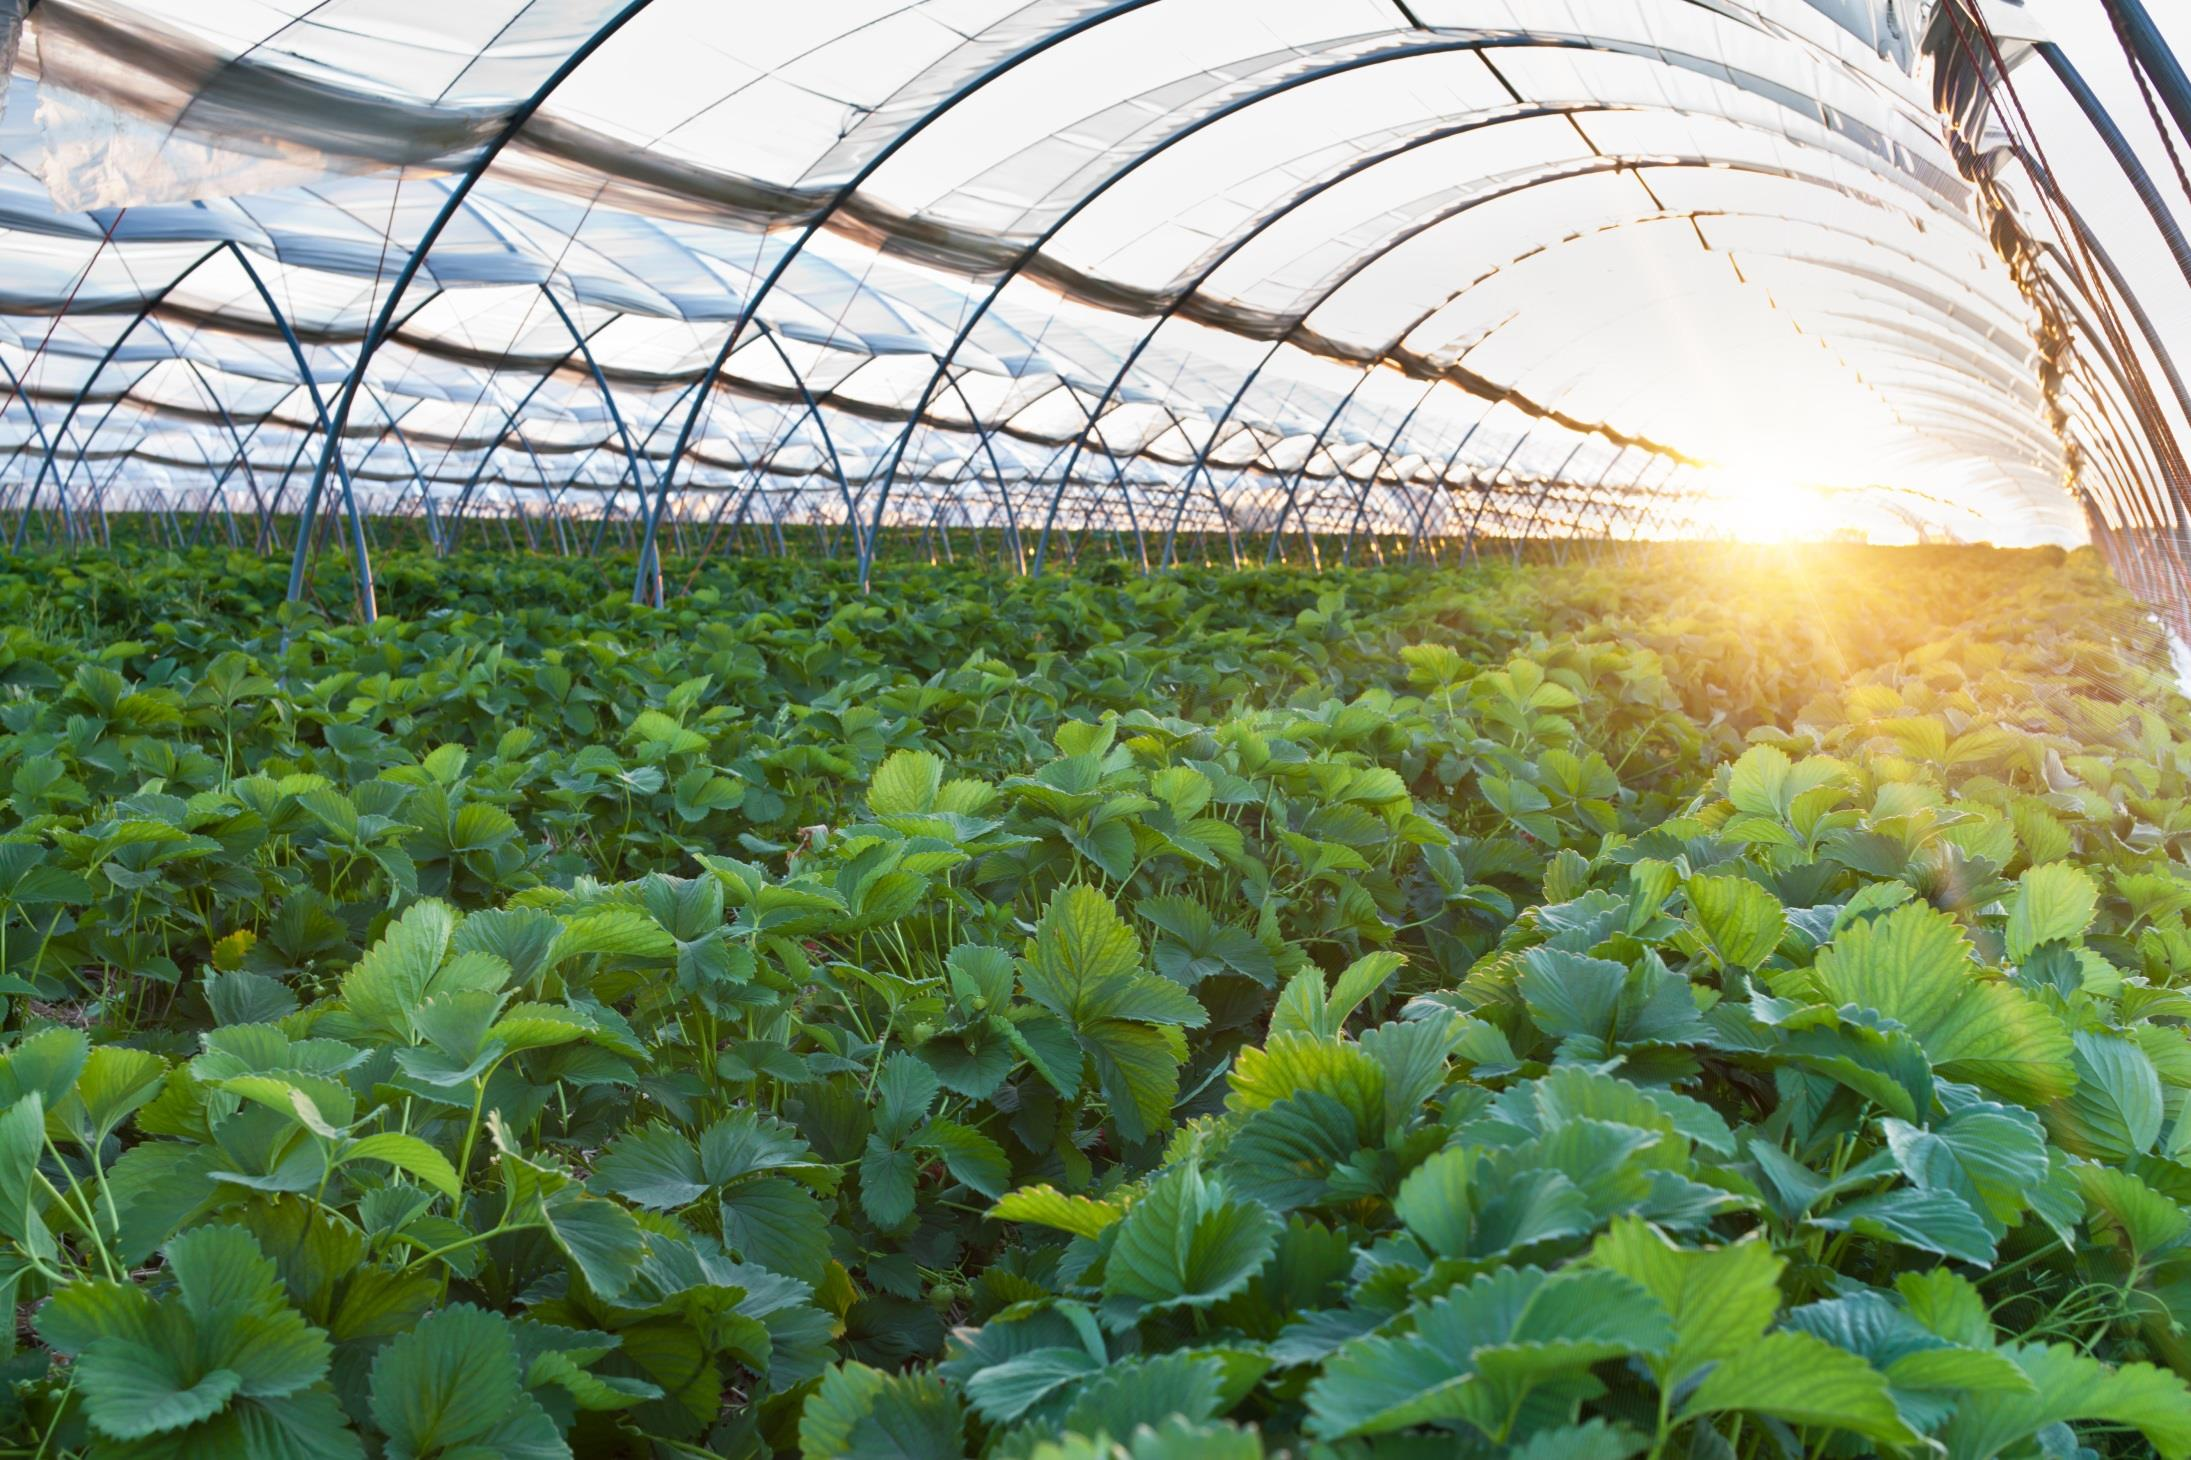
(1263, 277)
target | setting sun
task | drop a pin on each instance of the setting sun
(1756, 506)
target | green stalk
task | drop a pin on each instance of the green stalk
(81, 1212)
(497, 1230)
(471, 1126)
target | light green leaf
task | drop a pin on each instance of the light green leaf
(1914, 966)
(1437, 1200)
(45, 1064)
(1803, 1381)
(2116, 1110)
(2054, 901)
(1289, 1064)
(905, 783)
(409, 1154)
(1720, 1299)
(1764, 782)
(1137, 1066)
(2149, 1223)
(537, 1026)
(396, 972)
(114, 1082)
(1046, 1206)
(1948, 1304)
(2068, 1386)
(1741, 921)
(614, 931)
(1357, 981)
(1080, 943)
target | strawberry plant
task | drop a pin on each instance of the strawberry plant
(1666, 1006)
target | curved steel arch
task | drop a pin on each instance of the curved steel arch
(30, 408)
(1316, 443)
(1384, 454)
(410, 458)
(844, 194)
(1236, 105)
(360, 559)
(1355, 166)
(152, 302)
(984, 442)
(1200, 464)
(337, 447)
(649, 564)
(601, 383)
(2130, 396)
(1598, 167)
(83, 452)
(510, 419)
(384, 319)
(896, 459)
(509, 423)
(1300, 198)
(228, 422)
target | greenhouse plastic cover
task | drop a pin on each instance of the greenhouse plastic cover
(1485, 266)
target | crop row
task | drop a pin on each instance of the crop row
(1686, 1004)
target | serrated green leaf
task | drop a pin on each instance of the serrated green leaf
(2116, 1110)
(1803, 1381)
(860, 1413)
(1186, 1243)
(1046, 1206)
(906, 782)
(1931, 1220)
(132, 1389)
(972, 1157)
(777, 1224)
(1477, 1354)
(2069, 1386)
(2054, 901)
(1741, 921)
(448, 1384)
(1914, 966)
(1989, 1155)
(1720, 1299)
(1080, 944)
(408, 1154)
(2148, 1223)
(887, 1183)
(601, 1239)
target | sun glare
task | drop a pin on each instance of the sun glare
(1757, 506)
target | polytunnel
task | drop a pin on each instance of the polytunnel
(1256, 279)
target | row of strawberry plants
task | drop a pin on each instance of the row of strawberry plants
(1466, 1039)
